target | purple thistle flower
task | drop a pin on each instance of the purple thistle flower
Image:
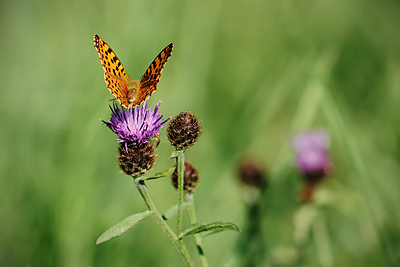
(135, 125)
(312, 152)
(312, 159)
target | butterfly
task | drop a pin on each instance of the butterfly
(129, 92)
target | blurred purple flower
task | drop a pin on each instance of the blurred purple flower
(135, 125)
(312, 159)
(312, 152)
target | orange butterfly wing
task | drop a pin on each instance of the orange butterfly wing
(115, 76)
(150, 79)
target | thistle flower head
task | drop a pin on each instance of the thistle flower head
(312, 151)
(135, 125)
(136, 160)
(312, 159)
(183, 130)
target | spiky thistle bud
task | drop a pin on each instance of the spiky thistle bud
(136, 160)
(190, 178)
(183, 130)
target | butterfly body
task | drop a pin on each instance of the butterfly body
(129, 92)
(133, 87)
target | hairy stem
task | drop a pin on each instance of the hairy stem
(180, 246)
(180, 165)
(197, 237)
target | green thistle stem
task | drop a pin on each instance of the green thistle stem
(180, 246)
(197, 237)
(322, 242)
(180, 165)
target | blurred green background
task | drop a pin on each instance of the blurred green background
(255, 72)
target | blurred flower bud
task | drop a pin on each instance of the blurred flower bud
(251, 173)
(190, 179)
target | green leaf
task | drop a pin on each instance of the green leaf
(177, 153)
(214, 227)
(123, 226)
(160, 174)
(173, 211)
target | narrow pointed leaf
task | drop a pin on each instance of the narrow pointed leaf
(160, 174)
(170, 213)
(173, 211)
(123, 226)
(213, 232)
(176, 153)
(213, 227)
